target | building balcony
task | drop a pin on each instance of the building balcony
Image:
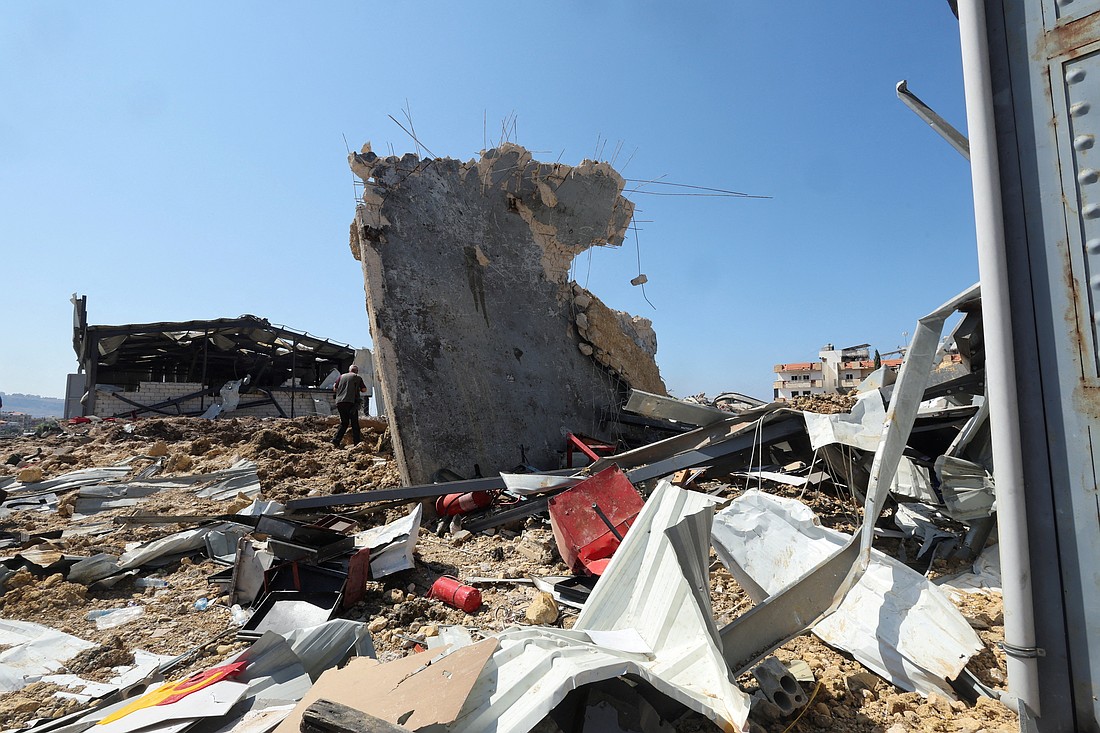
(798, 383)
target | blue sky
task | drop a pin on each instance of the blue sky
(187, 161)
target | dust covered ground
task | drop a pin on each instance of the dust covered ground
(295, 459)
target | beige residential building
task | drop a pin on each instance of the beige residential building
(836, 371)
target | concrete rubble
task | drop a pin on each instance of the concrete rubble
(619, 560)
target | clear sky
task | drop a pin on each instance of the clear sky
(187, 161)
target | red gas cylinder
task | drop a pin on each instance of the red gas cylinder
(455, 594)
(454, 504)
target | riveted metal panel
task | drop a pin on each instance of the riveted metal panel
(1079, 133)
(1045, 64)
(1068, 10)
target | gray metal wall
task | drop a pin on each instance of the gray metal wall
(1045, 71)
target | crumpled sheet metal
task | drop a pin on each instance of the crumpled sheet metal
(189, 539)
(788, 613)
(70, 480)
(656, 584)
(861, 428)
(392, 544)
(893, 620)
(33, 651)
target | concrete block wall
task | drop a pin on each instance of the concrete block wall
(151, 393)
(297, 404)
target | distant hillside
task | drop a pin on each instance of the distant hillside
(33, 405)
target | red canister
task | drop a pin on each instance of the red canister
(454, 504)
(455, 594)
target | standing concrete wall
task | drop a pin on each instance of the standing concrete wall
(476, 327)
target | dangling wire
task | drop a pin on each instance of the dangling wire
(638, 250)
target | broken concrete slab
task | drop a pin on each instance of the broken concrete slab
(478, 332)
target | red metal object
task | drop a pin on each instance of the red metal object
(585, 445)
(455, 594)
(453, 504)
(584, 537)
(358, 575)
(178, 689)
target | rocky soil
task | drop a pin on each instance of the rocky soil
(295, 459)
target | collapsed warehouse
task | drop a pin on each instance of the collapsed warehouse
(202, 368)
(573, 583)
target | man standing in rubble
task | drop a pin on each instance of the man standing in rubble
(349, 390)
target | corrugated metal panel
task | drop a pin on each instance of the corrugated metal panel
(656, 584)
(1043, 62)
(893, 620)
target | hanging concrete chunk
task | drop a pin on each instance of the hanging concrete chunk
(487, 353)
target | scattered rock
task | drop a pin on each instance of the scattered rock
(536, 550)
(378, 624)
(543, 611)
(461, 537)
(180, 462)
(158, 449)
(29, 475)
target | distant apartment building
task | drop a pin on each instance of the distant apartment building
(836, 371)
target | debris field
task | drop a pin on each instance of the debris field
(295, 460)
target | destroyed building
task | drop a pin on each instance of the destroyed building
(487, 354)
(203, 367)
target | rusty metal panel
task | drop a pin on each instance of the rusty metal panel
(1045, 72)
(1075, 93)
(1067, 11)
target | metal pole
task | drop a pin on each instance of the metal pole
(205, 346)
(293, 371)
(1023, 678)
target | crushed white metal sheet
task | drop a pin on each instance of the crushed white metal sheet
(213, 701)
(983, 577)
(861, 428)
(145, 663)
(240, 478)
(33, 651)
(93, 568)
(670, 408)
(913, 481)
(260, 507)
(917, 521)
(189, 539)
(967, 488)
(816, 594)
(779, 478)
(546, 585)
(71, 480)
(394, 543)
(326, 645)
(893, 621)
(656, 585)
(523, 484)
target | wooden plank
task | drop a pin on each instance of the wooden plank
(325, 716)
